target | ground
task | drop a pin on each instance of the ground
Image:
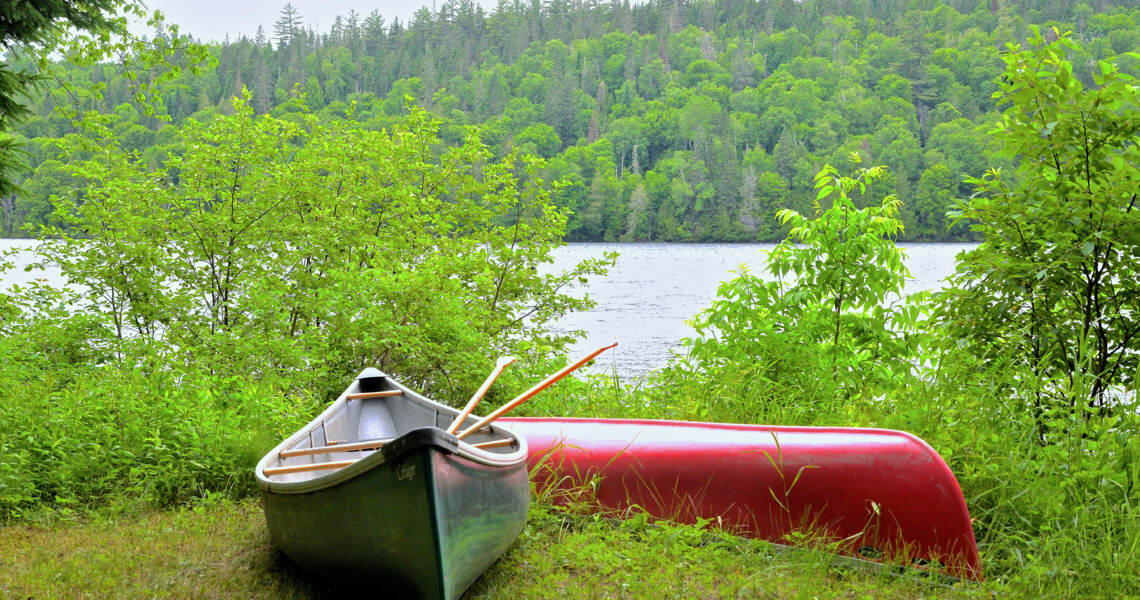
(222, 550)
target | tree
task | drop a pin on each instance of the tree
(287, 26)
(822, 327)
(541, 140)
(932, 200)
(637, 220)
(1054, 288)
(297, 250)
(38, 23)
(700, 119)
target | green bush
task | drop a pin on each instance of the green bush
(300, 250)
(80, 430)
(828, 329)
(120, 433)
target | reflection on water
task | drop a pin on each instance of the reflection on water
(645, 300)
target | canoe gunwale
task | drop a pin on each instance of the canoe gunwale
(460, 448)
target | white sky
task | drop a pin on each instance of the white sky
(211, 20)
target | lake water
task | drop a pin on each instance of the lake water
(20, 260)
(653, 289)
(648, 295)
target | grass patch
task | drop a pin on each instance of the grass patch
(212, 550)
(222, 550)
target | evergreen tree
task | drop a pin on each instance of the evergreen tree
(287, 26)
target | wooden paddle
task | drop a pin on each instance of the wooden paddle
(499, 366)
(532, 392)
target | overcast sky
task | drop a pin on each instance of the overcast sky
(212, 19)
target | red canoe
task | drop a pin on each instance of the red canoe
(879, 493)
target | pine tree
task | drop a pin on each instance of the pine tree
(592, 134)
(287, 26)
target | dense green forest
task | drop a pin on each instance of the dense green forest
(667, 121)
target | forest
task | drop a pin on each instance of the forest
(662, 121)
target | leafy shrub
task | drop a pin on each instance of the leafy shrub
(1053, 290)
(127, 433)
(830, 325)
(304, 251)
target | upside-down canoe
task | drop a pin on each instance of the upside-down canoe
(878, 493)
(376, 488)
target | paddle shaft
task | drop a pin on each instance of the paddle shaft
(502, 364)
(532, 392)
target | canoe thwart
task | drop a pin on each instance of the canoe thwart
(335, 447)
(339, 446)
(336, 464)
(392, 450)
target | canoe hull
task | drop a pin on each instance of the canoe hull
(875, 493)
(374, 493)
(442, 521)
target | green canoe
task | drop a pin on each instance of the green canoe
(374, 490)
